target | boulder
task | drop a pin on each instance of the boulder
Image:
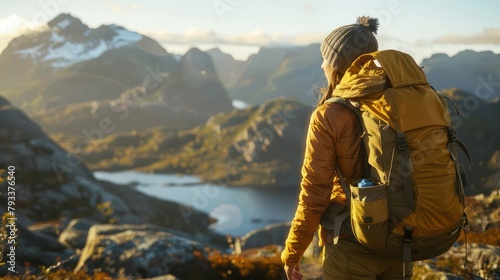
(274, 235)
(269, 235)
(139, 251)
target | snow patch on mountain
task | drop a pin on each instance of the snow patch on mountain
(64, 23)
(70, 53)
(60, 50)
(124, 36)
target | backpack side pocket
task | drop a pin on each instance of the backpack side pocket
(370, 215)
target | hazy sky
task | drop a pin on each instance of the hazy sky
(242, 26)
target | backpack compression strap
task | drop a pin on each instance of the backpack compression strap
(453, 143)
(406, 163)
(339, 220)
(407, 239)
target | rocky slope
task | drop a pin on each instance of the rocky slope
(228, 69)
(53, 187)
(259, 145)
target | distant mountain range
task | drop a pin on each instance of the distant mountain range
(474, 72)
(70, 77)
(127, 103)
(271, 73)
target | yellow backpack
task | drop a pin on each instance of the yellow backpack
(415, 208)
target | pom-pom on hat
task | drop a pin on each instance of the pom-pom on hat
(344, 44)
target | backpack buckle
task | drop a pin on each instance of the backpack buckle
(401, 143)
(452, 135)
(408, 237)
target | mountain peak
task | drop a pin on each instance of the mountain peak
(68, 41)
(197, 61)
(68, 24)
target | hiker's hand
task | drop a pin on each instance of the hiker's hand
(293, 272)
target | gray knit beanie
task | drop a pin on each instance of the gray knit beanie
(344, 44)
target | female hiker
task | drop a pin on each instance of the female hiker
(334, 141)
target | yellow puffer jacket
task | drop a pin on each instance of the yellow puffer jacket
(334, 138)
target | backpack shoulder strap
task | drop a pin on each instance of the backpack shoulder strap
(346, 102)
(354, 106)
(339, 220)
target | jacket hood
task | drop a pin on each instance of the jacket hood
(371, 73)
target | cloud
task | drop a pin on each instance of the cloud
(489, 36)
(119, 8)
(14, 25)
(308, 38)
(256, 37)
(309, 7)
(253, 38)
(191, 35)
(114, 6)
(201, 35)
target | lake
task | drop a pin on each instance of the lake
(238, 210)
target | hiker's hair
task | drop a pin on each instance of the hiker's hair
(327, 92)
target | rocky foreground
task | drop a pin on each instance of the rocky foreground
(93, 246)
